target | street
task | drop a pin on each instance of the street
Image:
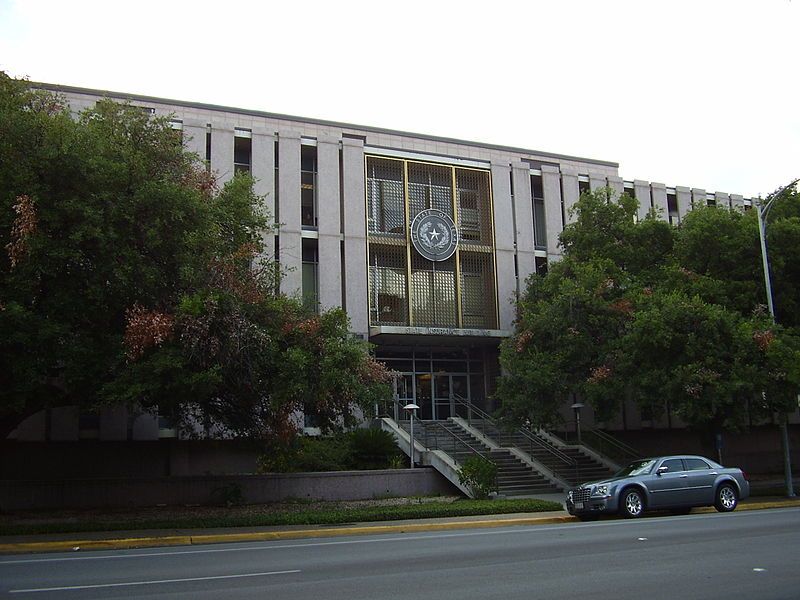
(750, 554)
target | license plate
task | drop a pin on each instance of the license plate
(579, 505)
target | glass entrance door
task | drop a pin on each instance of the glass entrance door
(447, 390)
(423, 396)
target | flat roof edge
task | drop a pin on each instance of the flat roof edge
(54, 87)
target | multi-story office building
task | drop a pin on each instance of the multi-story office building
(425, 241)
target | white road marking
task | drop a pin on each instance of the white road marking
(759, 570)
(642, 539)
(154, 582)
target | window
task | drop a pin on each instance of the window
(672, 208)
(539, 223)
(696, 464)
(310, 275)
(673, 465)
(583, 186)
(242, 151)
(385, 197)
(208, 147)
(387, 280)
(429, 186)
(308, 186)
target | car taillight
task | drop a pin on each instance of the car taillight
(744, 474)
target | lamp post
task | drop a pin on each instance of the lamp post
(411, 408)
(762, 210)
(577, 408)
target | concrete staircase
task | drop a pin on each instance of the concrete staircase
(570, 463)
(514, 476)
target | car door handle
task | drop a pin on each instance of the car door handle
(684, 476)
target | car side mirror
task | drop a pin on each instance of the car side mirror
(661, 470)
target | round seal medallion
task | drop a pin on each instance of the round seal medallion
(434, 234)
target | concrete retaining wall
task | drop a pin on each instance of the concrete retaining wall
(255, 489)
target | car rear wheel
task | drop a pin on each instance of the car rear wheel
(727, 498)
(631, 503)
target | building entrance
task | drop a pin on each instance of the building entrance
(439, 380)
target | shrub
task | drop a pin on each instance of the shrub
(479, 475)
(229, 494)
(371, 448)
(307, 455)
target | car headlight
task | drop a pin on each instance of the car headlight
(569, 495)
(600, 490)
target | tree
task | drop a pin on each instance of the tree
(131, 277)
(662, 316)
(569, 320)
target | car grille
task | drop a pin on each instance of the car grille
(581, 494)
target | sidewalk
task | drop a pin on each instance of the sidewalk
(167, 537)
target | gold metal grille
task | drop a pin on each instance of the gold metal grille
(477, 291)
(387, 285)
(474, 209)
(458, 292)
(385, 196)
(429, 186)
(433, 292)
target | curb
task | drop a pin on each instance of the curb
(188, 540)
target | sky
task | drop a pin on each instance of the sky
(699, 93)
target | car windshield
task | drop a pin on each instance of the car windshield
(638, 467)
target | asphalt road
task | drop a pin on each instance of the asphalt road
(739, 555)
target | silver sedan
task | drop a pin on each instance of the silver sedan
(675, 483)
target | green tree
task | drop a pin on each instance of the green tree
(129, 276)
(570, 320)
(663, 316)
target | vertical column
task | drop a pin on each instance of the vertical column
(194, 137)
(699, 197)
(523, 213)
(222, 153)
(615, 183)
(329, 222)
(507, 286)
(737, 202)
(290, 245)
(262, 168)
(596, 181)
(684, 198)
(659, 191)
(355, 236)
(641, 189)
(551, 185)
(569, 186)
(722, 200)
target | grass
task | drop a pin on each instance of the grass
(331, 514)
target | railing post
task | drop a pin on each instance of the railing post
(396, 398)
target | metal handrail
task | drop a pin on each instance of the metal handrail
(551, 449)
(454, 435)
(626, 450)
(568, 462)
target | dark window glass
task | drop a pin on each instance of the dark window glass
(696, 464)
(673, 464)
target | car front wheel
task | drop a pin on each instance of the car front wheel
(727, 498)
(631, 503)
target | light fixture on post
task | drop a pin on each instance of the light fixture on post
(577, 408)
(762, 210)
(411, 408)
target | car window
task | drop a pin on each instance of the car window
(639, 467)
(673, 464)
(696, 464)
